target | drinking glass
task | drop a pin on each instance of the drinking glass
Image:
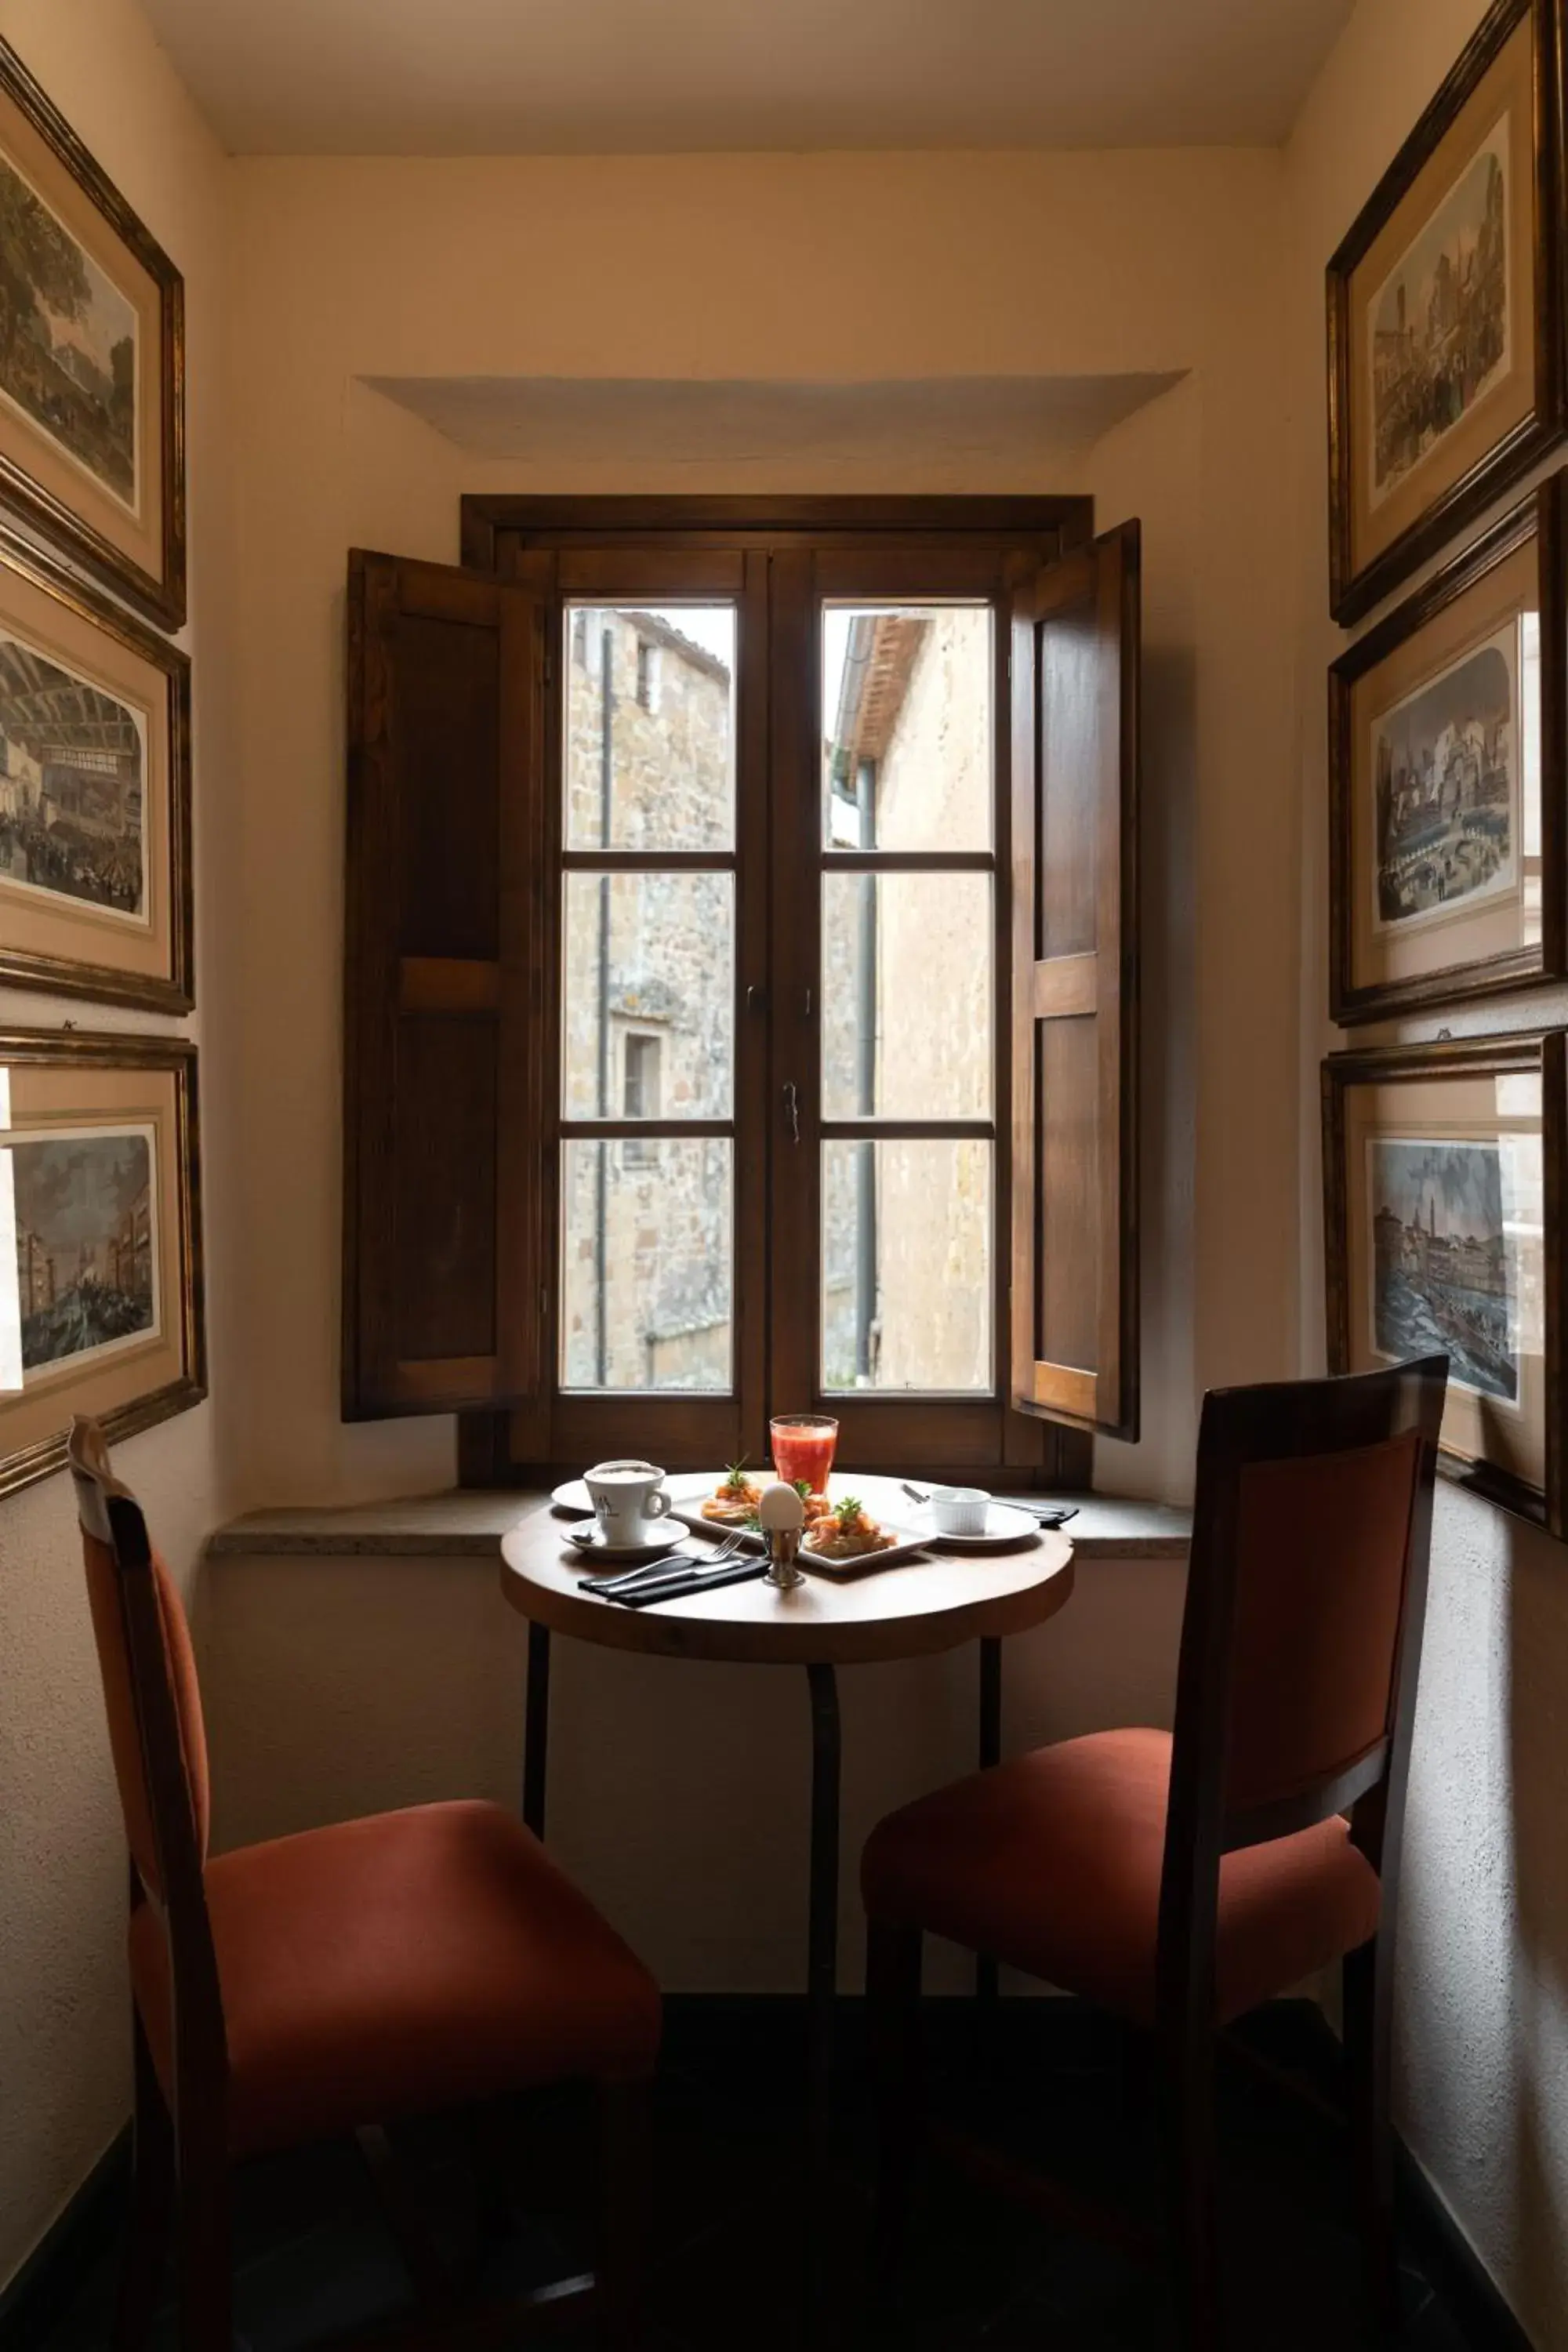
(803, 1445)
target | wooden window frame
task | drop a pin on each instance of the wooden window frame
(788, 550)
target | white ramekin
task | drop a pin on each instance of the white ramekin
(959, 1510)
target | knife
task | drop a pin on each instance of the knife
(702, 1580)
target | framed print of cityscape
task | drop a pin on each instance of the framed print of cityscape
(101, 1260)
(1448, 781)
(92, 360)
(95, 794)
(1442, 1169)
(1446, 363)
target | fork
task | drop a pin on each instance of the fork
(727, 1551)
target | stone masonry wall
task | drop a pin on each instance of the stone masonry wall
(665, 1204)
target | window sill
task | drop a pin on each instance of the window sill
(468, 1523)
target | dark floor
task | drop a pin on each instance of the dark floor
(735, 2213)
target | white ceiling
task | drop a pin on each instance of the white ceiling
(606, 77)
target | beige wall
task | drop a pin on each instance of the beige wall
(343, 1685)
(1483, 2008)
(64, 2031)
(1079, 267)
(1071, 267)
(331, 1688)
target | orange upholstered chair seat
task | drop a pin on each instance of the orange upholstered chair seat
(1053, 1861)
(404, 1962)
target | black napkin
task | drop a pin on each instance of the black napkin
(698, 1579)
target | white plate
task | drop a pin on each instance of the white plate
(689, 1495)
(1007, 1529)
(587, 1537)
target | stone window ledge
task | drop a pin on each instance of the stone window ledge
(468, 1523)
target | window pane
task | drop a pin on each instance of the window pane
(645, 1274)
(649, 1001)
(906, 1260)
(905, 995)
(906, 725)
(658, 771)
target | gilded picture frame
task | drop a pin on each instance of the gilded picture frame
(95, 794)
(92, 437)
(1448, 779)
(1446, 362)
(101, 1306)
(1443, 1231)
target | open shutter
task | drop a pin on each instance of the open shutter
(443, 1189)
(1075, 1006)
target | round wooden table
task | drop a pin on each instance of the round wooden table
(911, 1610)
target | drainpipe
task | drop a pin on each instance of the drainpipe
(866, 1083)
(601, 1201)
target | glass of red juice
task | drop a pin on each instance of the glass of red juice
(804, 1447)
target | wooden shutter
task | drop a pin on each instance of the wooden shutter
(1075, 1007)
(443, 1185)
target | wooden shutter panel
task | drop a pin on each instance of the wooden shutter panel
(443, 1188)
(1075, 1009)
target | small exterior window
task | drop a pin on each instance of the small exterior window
(649, 679)
(640, 1092)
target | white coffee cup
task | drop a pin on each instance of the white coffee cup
(626, 1497)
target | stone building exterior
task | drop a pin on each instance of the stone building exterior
(658, 950)
(907, 1006)
(648, 996)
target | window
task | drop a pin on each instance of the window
(907, 980)
(639, 1090)
(776, 1057)
(639, 1096)
(648, 862)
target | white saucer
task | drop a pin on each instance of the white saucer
(588, 1535)
(1007, 1529)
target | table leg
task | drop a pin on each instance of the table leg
(822, 1971)
(536, 1729)
(990, 1754)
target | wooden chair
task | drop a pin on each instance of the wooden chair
(331, 1982)
(1178, 1880)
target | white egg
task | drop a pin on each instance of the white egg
(781, 1506)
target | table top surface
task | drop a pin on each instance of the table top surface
(912, 1610)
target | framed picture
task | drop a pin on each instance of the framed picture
(95, 794)
(1448, 779)
(101, 1253)
(1442, 1187)
(1446, 362)
(92, 360)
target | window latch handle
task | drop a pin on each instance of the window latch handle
(792, 1109)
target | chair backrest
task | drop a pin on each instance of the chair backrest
(1301, 1639)
(150, 1689)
